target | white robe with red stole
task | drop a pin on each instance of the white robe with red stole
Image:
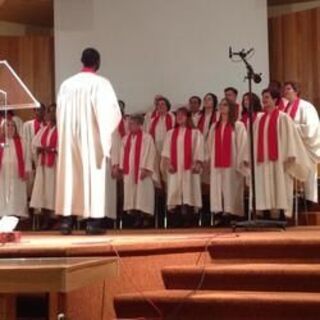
(44, 189)
(307, 122)
(140, 195)
(184, 186)
(274, 178)
(227, 183)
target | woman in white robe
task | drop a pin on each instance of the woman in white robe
(44, 189)
(280, 157)
(227, 153)
(14, 169)
(182, 157)
(138, 165)
(306, 118)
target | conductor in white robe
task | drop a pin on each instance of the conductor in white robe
(87, 115)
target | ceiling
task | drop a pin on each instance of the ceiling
(40, 12)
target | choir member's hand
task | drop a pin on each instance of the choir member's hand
(115, 172)
(289, 161)
(171, 169)
(145, 173)
(196, 168)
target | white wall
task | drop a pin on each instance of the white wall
(174, 47)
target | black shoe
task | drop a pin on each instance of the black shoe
(66, 226)
(94, 227)
(95, 231)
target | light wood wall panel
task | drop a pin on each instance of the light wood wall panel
(294, 44)
(32, 57)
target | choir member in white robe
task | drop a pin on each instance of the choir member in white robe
(140, 173)
(227, 153)
(30, 129)
(306, 118)
(152, 112)
(231, 94)
(280, 157)
(14, 169)
(114, 193)
(256, 107)
(195, 109)
(161, 123)
(87, 115)
(183, 156)
(11, 116)
(46, 144)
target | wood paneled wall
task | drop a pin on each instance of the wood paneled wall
(32, 57)
(294, 44)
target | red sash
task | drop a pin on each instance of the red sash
(137, 155)
(36, 126)
(223, 146)
(122, 128)
(273, 152)
(19, 154)
(280, 104)
(155, 122)
(187, 149)
(203, 119)
(48, 156)
(294, 108)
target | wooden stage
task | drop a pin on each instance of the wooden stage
(143, 254)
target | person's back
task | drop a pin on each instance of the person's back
(87, 115)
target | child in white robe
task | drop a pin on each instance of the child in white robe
(182, 157)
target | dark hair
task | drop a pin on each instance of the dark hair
(234, 90)
(256, 103)
(138, 118)
(196, 98)
(273, 93)
(166, 101)
(90, 58)
(187, 112)
(295, 86)
(232, 115)
(275, 84)
(214, 98)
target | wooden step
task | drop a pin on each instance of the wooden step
(244, 277)
(222, 305)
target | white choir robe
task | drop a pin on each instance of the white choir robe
(160, 131)
(184, 187)
(274, 179)
(44, 188)
(140, 196)
(87, 114)
(13, 189)
(31, 153)
(227, 184)
(307, 122)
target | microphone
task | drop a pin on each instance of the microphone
(230, 52)
(257, 78)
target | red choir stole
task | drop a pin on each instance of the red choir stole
(137, 154)
(187, 149)
(280, 104)
(294, 108)
(245, 118)
(19, 154)
(122, 128)
(203, 119)
(36, 126)
(155, 121)
(48, 156)
(223, 145)
(272, 134)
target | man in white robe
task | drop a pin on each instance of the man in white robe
(280, 157)
(306, 118)
(87, 115)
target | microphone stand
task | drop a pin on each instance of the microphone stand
(253, 222)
